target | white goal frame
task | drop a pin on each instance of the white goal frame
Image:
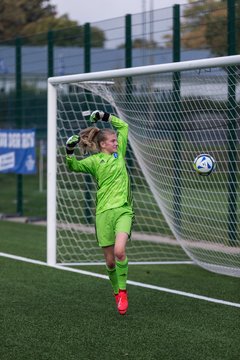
(98, 76)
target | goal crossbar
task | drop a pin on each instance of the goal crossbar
(147, 70)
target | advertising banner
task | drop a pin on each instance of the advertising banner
(17, 151)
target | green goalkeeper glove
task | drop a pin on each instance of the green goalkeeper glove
(71, 143)
(99, 115)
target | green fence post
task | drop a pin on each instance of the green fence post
(87, 68)
(177, 120)
(87, 48)
(128, 81)
(128, 54)
(18, 112)
(50, 38)
(128, 41)
(232, 129)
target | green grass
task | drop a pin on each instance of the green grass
(34, 201)
(51, 314)
(25, 240)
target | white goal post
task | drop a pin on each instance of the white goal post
(175, 112)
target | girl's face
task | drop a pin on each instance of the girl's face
(110, 144)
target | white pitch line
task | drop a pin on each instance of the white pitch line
(131, 263)
(130, 282)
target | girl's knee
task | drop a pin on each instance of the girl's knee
(120, 254)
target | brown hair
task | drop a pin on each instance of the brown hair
(91, 137)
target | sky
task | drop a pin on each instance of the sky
(84, 11)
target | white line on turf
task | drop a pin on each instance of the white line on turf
(130, 282)
(131, 263)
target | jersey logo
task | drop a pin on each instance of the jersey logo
(115, 155)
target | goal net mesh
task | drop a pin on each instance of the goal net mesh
(172, 117)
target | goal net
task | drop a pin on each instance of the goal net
(175, 112)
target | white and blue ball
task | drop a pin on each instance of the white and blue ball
(204, 164)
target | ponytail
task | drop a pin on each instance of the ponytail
(87, 140)
(91, 137)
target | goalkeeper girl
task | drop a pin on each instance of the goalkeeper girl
(114, 212)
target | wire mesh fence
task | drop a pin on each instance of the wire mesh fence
(205, 30)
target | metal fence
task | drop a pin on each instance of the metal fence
(161, 36)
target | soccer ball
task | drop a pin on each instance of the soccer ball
(204, 164)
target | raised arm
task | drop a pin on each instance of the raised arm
(85, 165)
(122, 129)
(120, 125)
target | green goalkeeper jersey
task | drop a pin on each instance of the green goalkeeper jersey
(109, 170)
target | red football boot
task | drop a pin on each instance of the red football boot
(122, 302)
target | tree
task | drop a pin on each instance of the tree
(32, 19)
(66, 32)
(198, 17)
(204, 26)
(16, 14)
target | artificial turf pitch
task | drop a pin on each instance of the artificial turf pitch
(51, 314)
